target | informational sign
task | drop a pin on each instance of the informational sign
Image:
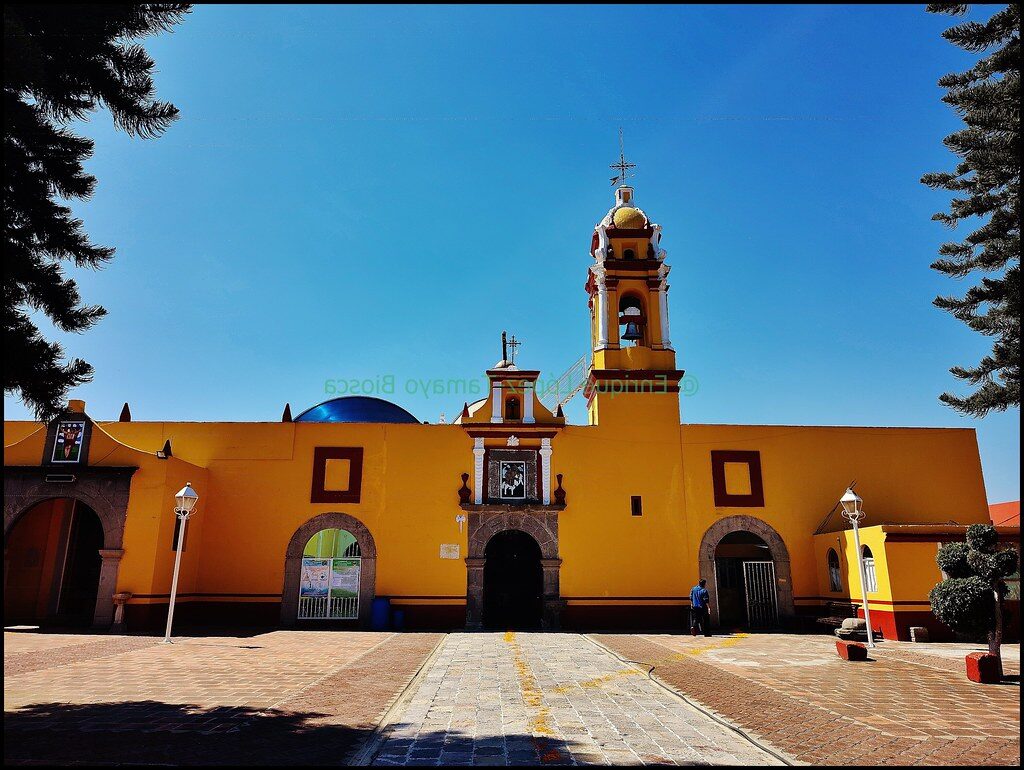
(67, 448)
(316, 578)
(345, 577)
(449, 550)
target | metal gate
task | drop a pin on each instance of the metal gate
(329, 589)
(762, 602)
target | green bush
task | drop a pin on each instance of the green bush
(969, 600)
(965, 604)
(952, 559)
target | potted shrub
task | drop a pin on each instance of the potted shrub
(970, 599)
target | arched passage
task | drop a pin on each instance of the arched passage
(367, 562)
(513, 582)
(542, 527)
(52, 564)
(105, 490)
(749, 533)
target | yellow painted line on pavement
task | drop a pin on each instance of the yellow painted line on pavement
(690, 652)
(540, 724)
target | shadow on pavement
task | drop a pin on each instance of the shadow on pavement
(149, 732)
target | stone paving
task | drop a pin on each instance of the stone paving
(284, 697)
(316, 697)
(531, 698)
(908, 705)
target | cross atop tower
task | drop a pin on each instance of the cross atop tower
(509, 356)
(623, 167)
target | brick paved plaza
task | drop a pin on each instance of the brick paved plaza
(320, 697)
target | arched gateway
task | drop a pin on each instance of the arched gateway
(348, 555)
(762, 583)
(484, 527)
(103, 492)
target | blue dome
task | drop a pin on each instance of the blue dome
(356, 409)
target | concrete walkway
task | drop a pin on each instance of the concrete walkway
(530, 698)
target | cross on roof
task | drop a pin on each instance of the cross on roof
(623, 167)
(506, 343)
(513, 344)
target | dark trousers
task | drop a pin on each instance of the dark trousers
(700, 621)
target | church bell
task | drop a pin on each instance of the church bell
(632, 333)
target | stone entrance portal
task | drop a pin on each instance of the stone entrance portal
(541, 525)
(726, 550)
(513, 582)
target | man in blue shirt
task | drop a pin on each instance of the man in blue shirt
(700, 604)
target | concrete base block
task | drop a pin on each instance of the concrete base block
(851, 651)
(984, 668)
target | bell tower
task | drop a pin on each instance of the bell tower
(634, 363)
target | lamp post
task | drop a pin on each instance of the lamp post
(853, 511)
(184, 503)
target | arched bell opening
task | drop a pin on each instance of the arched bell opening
(632, 321)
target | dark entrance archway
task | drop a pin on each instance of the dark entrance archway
(513, 582)
(734, 552)
(747, 531)
(52, 564)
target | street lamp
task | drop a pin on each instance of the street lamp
(184, 503)
(853, 511)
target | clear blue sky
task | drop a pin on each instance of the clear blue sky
(357, 192)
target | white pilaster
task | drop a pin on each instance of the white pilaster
(496, 401)
(478, 471)
(545, 470)
(663, 306)
(602, 308)
(528, 403)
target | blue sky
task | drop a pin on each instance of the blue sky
(358, 192)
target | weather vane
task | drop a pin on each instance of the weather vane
(622, 166)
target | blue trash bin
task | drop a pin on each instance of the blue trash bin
(380, 614)
(397, 620)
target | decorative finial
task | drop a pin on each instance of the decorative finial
(623, 167)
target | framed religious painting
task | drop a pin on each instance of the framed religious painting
(67, 446)
(512, 477)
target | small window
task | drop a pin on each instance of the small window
(870, 575)
(628, 254)
(512, 408)
(835, 576)
(636, 506)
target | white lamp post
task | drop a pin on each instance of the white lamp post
(853, 511)
(184, 503)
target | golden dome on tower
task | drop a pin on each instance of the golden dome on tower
(628, 218)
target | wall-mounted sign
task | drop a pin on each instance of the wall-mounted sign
(316, 578)
(449, 550)
(67, 447)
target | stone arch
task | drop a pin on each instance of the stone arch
(542, 526)
(776, 547)
(104, 490)
(544, 532)
(293, 563)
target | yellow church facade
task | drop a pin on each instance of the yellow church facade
(506, 517)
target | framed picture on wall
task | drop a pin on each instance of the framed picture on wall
(67, 447)
(513, 480)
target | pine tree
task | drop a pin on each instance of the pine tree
(61, 62)
(987, 97)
